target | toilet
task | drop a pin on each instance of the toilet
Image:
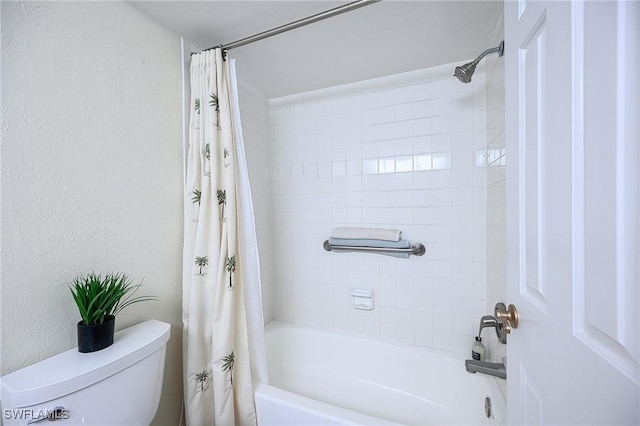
(119, 385)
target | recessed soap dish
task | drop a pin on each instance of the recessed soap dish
(362, 298)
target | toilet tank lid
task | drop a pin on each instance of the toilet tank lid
(70, 371)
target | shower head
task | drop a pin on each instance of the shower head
(464, 72)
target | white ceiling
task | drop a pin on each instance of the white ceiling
(381, 39)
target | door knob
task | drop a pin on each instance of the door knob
(508, 315)
(503, 327)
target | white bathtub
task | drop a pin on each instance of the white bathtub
(320, 378)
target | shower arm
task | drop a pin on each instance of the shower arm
(499, 50)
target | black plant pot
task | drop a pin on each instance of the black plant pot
(93, 338)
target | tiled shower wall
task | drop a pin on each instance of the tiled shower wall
(496, 225)
(405, 152)
(254, 112)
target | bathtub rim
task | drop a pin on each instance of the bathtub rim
(498, 399)
(330, 412)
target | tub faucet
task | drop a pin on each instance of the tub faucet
(487, 321)
(491, 368)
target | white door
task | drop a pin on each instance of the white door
(573, 213)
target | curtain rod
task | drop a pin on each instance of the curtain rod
(297, 24)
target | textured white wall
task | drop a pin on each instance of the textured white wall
(91, 172)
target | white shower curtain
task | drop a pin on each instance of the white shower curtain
(223, 330)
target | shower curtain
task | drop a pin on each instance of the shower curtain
(223, 329)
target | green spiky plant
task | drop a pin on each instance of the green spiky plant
(98, 297)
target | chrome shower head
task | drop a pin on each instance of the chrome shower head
(464, 72)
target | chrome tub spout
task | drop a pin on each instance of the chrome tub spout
(490, 368)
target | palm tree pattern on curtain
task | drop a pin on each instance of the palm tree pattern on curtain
(222, 200)
(201, 262)
(218, 387)
(214, 103)
(196, 196)
(231, 269)
(227, 366)
(202, 380)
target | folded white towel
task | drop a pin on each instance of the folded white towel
(352, 242)
(368, 233)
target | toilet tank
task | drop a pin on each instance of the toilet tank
(119, 385)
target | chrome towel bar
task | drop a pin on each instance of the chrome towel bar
(417, 249)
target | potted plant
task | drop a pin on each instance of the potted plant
(99, 300)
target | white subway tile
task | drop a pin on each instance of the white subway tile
(441, 107)
(370, 133)
(462, 344)
(441, 143)
(441, 160)
(354, 168)
(424, 319)
(371, 329)
(441, 178)
(403, 129)
(370, 100)
(463, 306)
(356, 326)
(442, 323)
(370, 117)
(404, 180)
(388, 331)
(310, 171)
(386, 97)
(441, 88)
(404, 146)
(387, 165)
(387, 314)
(404, 111)
(422, 126)
(422, 109)
(405, 152)
(441, 124)
(405, 317)
(424, 337)
(403, 94)
(404, 163)
(386, 148)
(387, 298)
(464, 325)
(405, 300)
(340, 324)
(386, 216)
(442, 304)
(353, 103)
(338, 168)
(422, 162)
(405, 335)
(422, 91)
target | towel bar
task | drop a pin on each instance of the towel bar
(417, 249)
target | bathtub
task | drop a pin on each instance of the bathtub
(321, 378)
